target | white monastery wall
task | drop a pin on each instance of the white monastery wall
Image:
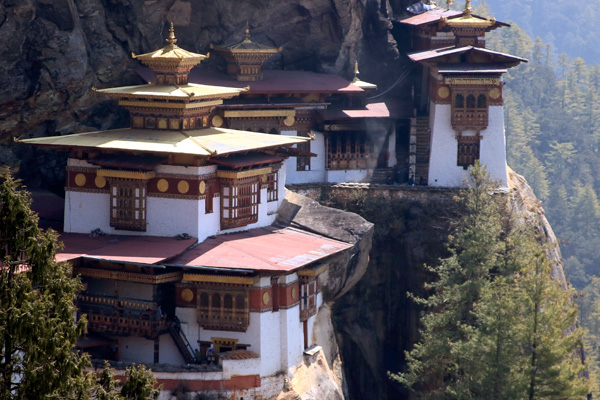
(136, 349)
(493, 146)
(347, 175)
(292, 337)
(240, 367)
(317, 164)
(85, 212)
(168, 352)
(443, 170)
(270, 343)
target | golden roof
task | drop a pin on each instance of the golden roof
(468, 20)
(361, 84)
(200, 142)
(170, 53)
(247, 46)
(190, 91)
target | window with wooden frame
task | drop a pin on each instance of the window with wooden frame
(303, 162)
(128, 204)
(308, 298)
(350, 150)
(223, 308)
(469, 109)
(272, 186)
(468, 150)
(239, 201)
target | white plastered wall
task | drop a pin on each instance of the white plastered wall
(85, 212)
(136, 349)
(317, 171)
(443, 170)
(168, 352)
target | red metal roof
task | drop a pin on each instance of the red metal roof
(374, 110)
(139, 249)
(263, 249)
(274, 81)
(430, 16)
(438, 53)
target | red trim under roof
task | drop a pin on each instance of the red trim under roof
(137, 249)
(263, 249)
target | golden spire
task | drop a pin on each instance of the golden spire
(171, 39)
(468, 10)
(448, 4)
(356, 71)
(247, 32)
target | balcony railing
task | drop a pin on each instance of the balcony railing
(227, 319)
(472, 118)
(122, 316)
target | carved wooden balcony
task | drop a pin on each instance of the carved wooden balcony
(226, 319)
(470, 118)
(122, 316)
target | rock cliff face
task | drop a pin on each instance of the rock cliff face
(52, 52)
(375, 322)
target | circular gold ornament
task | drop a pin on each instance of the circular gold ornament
(183, 187)
(80, 179)
(289, 121)
(187, 295)
(293, 293)
(202, 187)
(217, 121)
(162, 185)
(263, 178)
(494, 93)
(100, 182)
(266, 298)
(443, 92)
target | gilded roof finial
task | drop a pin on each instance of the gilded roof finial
(247, 32)
(468, 10)
(448, 4)
(171, 39)
(356, 71)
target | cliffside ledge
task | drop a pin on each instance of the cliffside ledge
(375, 322)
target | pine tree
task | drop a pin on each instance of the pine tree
(38, 330)
(497, 326)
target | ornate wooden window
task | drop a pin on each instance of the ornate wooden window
(350, 150)
(468, 150)
(308, 298)
(272, 186)
(239, 201)
(469, 109)
(128, 204)
(303, 162)
(223, 308)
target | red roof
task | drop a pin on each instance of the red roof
(430, 16)
(446, 51)
(374, 110)
(139, 249)
(263, 249)
(274, 81)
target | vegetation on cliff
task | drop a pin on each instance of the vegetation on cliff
(38, 330)
(496, 325)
